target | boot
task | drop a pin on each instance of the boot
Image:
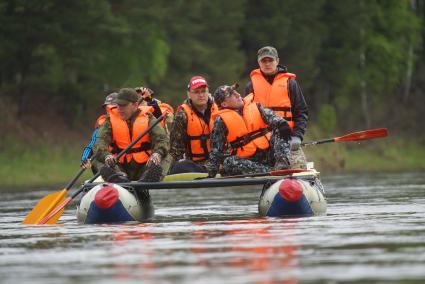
(110, 175)
(153, 173)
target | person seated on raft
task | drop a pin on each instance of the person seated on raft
(128, 121)
(256, 136)
(86, 163)
(159, 107)
(190, 132)
(147, 102)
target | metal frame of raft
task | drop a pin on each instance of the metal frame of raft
(200, 183)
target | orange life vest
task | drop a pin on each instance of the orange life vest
(165, 108)
(246, 132)
(198, 133)
(274, 96)
(101, 119)
(121, 138)
(162, 106)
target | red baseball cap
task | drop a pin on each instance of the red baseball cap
(196, 82)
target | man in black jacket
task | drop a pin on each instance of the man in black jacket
(275, 88)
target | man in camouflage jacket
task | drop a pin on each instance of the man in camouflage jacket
(130, 170)
(275, 157)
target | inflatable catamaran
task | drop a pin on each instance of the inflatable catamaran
(291, 192)
(299, 193)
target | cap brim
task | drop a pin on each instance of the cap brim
(264, 56)
(122, 102)
(198, 86)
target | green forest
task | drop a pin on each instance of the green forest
(360, 64)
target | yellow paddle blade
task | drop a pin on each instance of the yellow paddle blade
(55, 214)
(44, 206)
(184, 176)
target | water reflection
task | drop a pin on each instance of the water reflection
(373, 233)
(249, 248)
(123, 236)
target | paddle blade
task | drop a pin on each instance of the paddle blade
(363, 135)
(56, 213)
(44, 207)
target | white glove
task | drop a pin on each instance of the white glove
(295, 143)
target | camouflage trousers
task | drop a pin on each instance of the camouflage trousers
(166, 164)
(298, 160)
(134, 170)
(262, 161)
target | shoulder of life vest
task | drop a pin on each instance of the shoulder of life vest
(249, 98)
(214, 108)
(109, 108)
(100, 120)
(286, 74)
(146, 109)
(185, 107)
(166, 107)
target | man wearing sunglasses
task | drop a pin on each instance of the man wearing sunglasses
(190, 132)
(256, 137)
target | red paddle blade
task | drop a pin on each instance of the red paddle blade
(363, 135)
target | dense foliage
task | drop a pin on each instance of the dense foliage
(360, 63)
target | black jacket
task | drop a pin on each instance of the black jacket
(298, 104)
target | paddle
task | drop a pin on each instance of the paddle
(271, 173)
(47, 203)
(355, 136)
(52, 212)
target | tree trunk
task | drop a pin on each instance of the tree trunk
(409, 64)
(363, 87)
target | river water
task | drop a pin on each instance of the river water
(374, 232)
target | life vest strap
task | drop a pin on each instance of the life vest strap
(203, 139)
(280, 108)
(285, 110)
(243, 140)
(146, 146)
(199, 137)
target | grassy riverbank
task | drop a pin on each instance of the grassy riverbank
(38, 164)
(384, 155)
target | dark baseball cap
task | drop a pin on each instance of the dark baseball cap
(223, 92)
(267, 51)
(126, 95)
(110, 99)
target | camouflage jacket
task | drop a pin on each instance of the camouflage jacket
(158, 137)
(179, 141)
(218, 139)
